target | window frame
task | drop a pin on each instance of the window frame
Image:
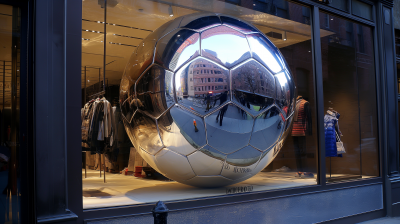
(322, 185)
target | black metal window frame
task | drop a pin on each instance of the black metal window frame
(142, 209)
(73, 182)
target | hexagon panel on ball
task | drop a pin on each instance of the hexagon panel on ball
(207, 99)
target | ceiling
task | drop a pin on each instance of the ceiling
(130, 21)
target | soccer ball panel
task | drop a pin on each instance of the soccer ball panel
(229, 128)
(140, 60)
(225, 46)
(265, 159)
(253, 86)
(241, 163)
(267, 130)
(200, 21)
(243, 157)
(174, 165)
(237, 24)
(150, 90)
(210, 151)
(177, 47)
(146, 134)
(150, 159)
(265, 52)
(182, 131)
(284, 93)
(202, 86)
(205, 165)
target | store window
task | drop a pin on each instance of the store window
(351, 131)
(118, 171)
(10, 167)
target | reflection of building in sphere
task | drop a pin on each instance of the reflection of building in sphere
(204, 78)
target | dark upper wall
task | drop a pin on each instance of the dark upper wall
(396, 14)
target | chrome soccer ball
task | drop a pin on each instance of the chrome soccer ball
(207, 100)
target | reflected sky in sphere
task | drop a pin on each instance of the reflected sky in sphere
(225, 42)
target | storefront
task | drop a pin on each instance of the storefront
(215, 130)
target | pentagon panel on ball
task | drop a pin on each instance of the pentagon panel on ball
(224, 45)
(268, 127)
(253, 86)
(182, 131)
(154, 91)
(208, 100)
(229, 128)
(285, 96)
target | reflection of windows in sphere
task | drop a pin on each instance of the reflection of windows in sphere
(207, 100)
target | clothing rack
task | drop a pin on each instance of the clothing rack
(93, 96)
(102, 93)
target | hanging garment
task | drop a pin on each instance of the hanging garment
(86, 122)
(302, 125)
(330, 125)
(95, 127)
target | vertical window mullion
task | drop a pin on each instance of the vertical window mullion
(318, 88)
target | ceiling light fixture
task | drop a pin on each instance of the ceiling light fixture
(284, 38)
(171, 13)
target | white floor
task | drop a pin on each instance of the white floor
(127, 190)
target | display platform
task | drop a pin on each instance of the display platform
(122, 190)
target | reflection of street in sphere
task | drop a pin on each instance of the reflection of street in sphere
(207, 100)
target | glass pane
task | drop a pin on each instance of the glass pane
(9, 106)
(340, 4)
(190, 108)
(349, 100)
(362, 9)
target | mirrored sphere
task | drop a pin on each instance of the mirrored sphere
(207, 100)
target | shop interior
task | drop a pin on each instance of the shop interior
(120, 176)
